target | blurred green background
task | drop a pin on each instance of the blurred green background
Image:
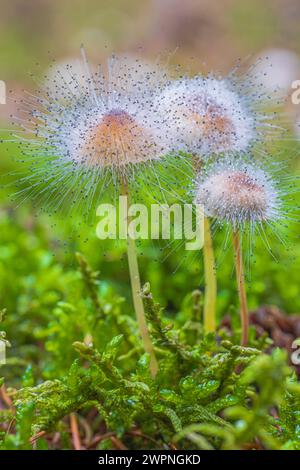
(216, 33)
(37, 263)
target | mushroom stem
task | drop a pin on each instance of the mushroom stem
(210, 281)
(241, 287)
(136, 296)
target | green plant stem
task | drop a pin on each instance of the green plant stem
(241, 288)
(137, 299)
(210, 281)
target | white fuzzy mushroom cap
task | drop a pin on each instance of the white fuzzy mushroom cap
(86, 130)
(239, 193)
(208, 116)
(99, 122)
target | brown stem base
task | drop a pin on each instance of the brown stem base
(241, 288)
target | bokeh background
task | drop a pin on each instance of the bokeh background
(214, 32)
(37, 263)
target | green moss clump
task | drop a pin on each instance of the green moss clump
(209, 393)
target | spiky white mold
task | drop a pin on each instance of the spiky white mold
(209, 115)
(85, 130)
(238, 193)
(100, 124)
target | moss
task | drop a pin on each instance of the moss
(207, 394)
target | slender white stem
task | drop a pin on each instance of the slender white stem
(138, 303)
(136, 295)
